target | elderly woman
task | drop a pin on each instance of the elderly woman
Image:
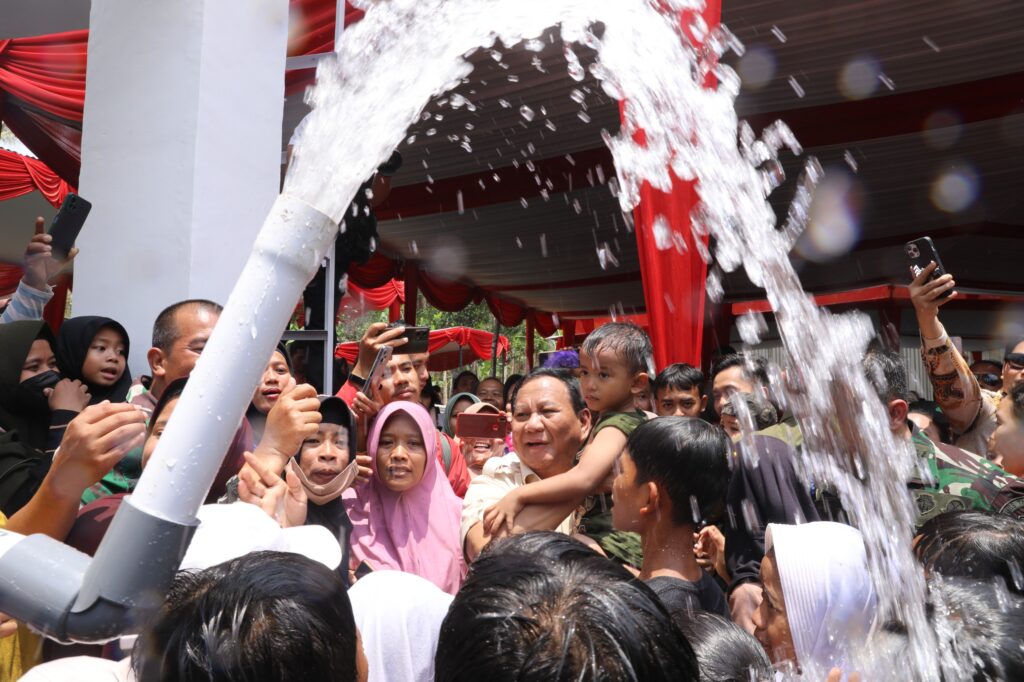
(406, 518)
(819, 602)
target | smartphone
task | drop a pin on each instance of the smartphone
(376, 378)
(481, 425)
(419, 341)
(68, 223)
(921, 252)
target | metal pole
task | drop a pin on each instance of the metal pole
(494, 348)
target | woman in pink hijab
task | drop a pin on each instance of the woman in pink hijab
(406, 517)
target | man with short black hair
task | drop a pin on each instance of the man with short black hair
(737, 373)
(532, 613)
(550, 424)
(677, 391)
(265, 615)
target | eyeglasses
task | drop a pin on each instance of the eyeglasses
(992, 381)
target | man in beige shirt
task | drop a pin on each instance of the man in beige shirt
(970, 408)
(550, 424)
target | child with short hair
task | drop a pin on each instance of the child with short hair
(673, 478)
(616, 363)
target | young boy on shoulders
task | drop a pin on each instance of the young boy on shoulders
(616, 362)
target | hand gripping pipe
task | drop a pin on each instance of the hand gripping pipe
(70, 597)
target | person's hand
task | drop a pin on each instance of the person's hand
(40, 265)
(709, 548)
(284, 500)
(365, 409)
(377, 336)
(743, 602)
(926, 297)
(93, 443)
(68, 394)
(8, 626)
(293, 418)
(836, 675)
(363, 466)
(502, 516)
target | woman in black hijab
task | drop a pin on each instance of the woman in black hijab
(34, 410)
(94, 350)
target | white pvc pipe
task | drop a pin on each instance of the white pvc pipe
(287, 251)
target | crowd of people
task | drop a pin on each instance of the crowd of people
(622, 523)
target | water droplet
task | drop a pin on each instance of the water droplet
(526, 112)
(505, 104)
(779, 35)
(850, 161)
(534, 45)
(523, 202)
(458, 199)
(583, 116)
(662, 233)
(512, 78)
(886, 81)
(577, 96)
(431, 131)
(797, 88)
(930, 43)
(544, 245)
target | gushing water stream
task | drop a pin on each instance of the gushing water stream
(406, 52)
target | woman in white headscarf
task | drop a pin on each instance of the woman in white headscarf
(399, 618)
(819, 602)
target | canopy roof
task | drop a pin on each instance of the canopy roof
(449, 348)
(907, 91)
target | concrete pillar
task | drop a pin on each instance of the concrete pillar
(181, 151)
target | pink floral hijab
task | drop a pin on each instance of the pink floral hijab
(416, 531)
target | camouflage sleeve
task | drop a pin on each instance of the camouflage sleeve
(956, 389)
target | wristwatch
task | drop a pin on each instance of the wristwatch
(356, 380)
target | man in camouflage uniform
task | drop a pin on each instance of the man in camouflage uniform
(768, 487)
(970, 408)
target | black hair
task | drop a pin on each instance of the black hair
(458, 378)
(262, 616)
(557, 547)
(510, 384)
(491, 378)
(165, 328)
(689, 459)
(172, 392)
(625, 339)
(725, 651)
(528, 614)
(983, 627)
(996, 366)
(1016, 396)
(974, 544)
(886, 373)
(572, 385)
(680, 376)
(755, 367)
(935, 413)
(1012, 344)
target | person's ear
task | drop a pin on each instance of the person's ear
(898, 410)
(586, 422)
(156, 360)
(653, 498)
(641, 381)
(703, 403)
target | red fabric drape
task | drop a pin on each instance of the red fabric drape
(42, 93)
(444, 345)
(673, 281)
(22, 174)
(376, 272)
(446, 296)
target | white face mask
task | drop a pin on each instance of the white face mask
(322, 494)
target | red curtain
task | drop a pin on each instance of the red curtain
(673, 281)
(22, 174)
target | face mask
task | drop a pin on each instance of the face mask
(30, 391)
(322, 494)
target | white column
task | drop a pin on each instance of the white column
(181, 150)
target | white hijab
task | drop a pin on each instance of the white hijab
(399, 618)
(830, 599)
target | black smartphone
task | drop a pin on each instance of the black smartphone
(921, 252)
(68, 223)
(419, 341)
(376, 378)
